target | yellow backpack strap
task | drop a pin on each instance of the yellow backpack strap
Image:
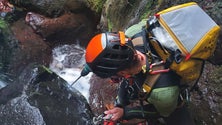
(151, 79)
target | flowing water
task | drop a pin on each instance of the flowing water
(68, 60)
(2, 84)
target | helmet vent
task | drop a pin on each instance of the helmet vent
(118, 47)
(115, 56)
(111, 56)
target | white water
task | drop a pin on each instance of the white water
(74, 55)
(2, 84)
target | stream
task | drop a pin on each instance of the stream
(2, 84)
(67, 62)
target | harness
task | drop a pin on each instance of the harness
(154, 67)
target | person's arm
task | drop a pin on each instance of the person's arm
(127, 113)
(165, 101)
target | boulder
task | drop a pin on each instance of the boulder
(19, 47)
(40, 97)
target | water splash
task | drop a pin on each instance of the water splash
(4, 80)
(68, 61)
(2, 84)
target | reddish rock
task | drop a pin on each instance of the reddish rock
(66, 28)
(31, 48)
(5, 6)
(102, 93)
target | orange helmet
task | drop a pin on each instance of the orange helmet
(108, 53)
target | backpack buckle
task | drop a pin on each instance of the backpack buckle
(158, 67)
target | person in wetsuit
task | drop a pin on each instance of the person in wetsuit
(113, 55)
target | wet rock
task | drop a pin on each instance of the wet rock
(118, 15)
(19, 47)
(5, 7)
(51, 8)
(206, 107)
(216, 58)
(19, 111)
(40, 97)
(102, 94)
(66, 28)
(56, 8)
(64, 21)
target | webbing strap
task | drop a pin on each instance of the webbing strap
(141, 39)
(151, 79)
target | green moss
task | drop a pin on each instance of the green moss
(3, 24)
(160, 2)
(147, 11)
(97, 5)
(4, 29)
(46, 69)
(110, 25)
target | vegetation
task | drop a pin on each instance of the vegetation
(147, 10)
(3, 24)
(96, 5)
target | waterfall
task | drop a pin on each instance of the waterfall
(67, 62)
(2, 84)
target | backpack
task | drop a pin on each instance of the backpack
(184, 36)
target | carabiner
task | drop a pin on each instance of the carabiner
(98, 120)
